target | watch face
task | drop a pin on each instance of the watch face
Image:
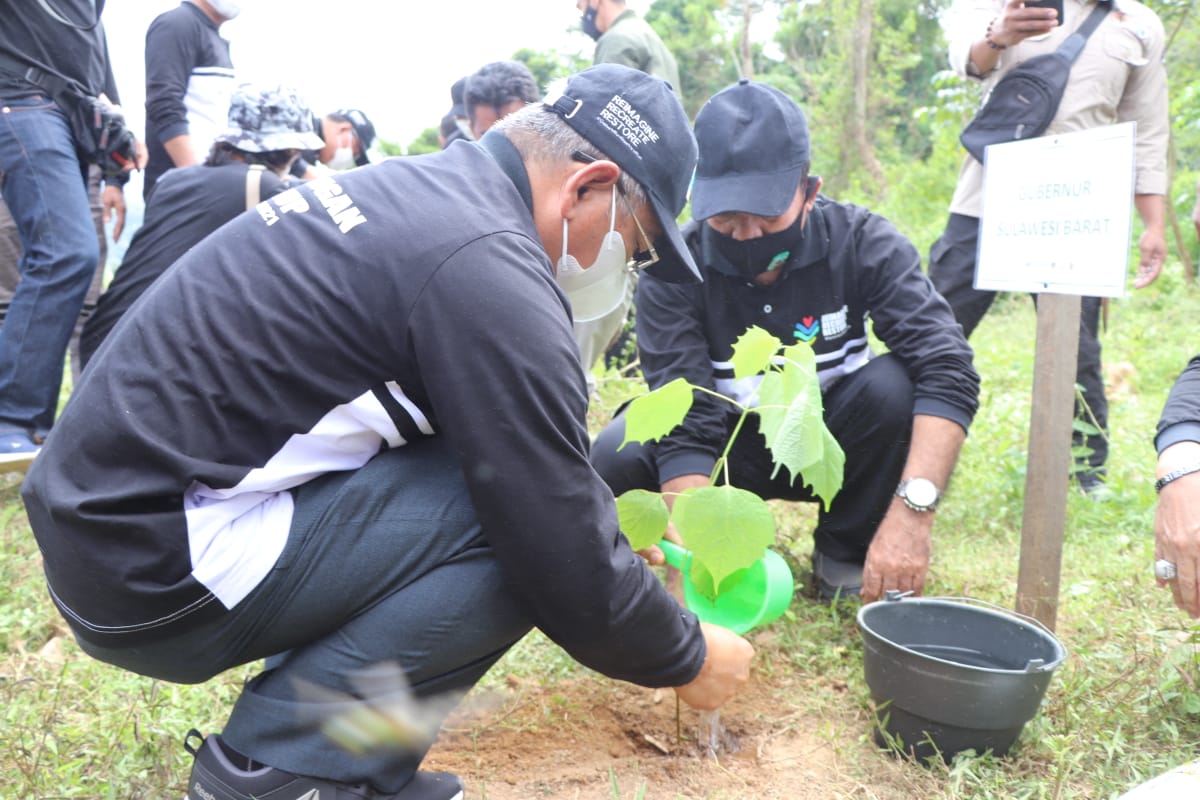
(921, 492)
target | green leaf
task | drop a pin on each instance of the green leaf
(654, 415)
(727, 529)
(825, 476)
(753, 351)
(790, 411)
(643, 516)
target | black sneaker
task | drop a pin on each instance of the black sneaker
(216, 777)
(1092, 484)
(836, 580)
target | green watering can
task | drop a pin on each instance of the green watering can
(761, 596)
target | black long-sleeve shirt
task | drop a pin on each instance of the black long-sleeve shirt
(852, 265)
(406, 299)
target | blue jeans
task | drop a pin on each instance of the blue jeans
(385, 570)
(45, 189)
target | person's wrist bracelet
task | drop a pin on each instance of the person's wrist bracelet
(1174, 476)
(987, 37)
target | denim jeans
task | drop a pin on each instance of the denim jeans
(45, 189)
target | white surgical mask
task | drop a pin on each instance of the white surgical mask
(226, 8)
(596, 290)
(343, 158)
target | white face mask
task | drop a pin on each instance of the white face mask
(596, 290)
(226, 8)
(343, 158)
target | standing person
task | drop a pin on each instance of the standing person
(189, 79)
(1119, 76)
(248, 162)
(496, 90)
(10, 257)
(775, 254)
(349, 430)
(1177, 519)
(622, 37)
(45, 189)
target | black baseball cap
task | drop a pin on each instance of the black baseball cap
(363, 129)
(637, 122)
(457, 107)
(754, 146)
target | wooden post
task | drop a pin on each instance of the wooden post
(1049, 462)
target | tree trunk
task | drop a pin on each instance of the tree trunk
(860, 63)
(745, 52)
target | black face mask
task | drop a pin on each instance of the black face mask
(589, 22)
(750, 257)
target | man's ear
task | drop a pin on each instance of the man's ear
(588, 183)
(810, 191)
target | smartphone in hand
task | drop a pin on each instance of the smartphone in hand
(1057, 5)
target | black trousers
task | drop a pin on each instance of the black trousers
(952, 270)
(869, 413)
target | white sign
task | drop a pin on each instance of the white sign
(1057, 213)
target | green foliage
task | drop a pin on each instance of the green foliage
(728, 529)
(643, 517)
(427, 142)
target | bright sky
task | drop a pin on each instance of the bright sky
(394, 60)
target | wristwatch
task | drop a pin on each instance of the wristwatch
(919, 494)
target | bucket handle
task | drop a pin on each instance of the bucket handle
(1034, 665)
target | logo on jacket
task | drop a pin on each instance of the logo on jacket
(834, 323)
(807, 329)
(830, 326)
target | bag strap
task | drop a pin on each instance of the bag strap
(1073, 46)
(61, 88)
(253, 185)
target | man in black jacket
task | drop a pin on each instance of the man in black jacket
(777, 255)
(348, 429)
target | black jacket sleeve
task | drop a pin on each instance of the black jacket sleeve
(914, 321)
(673, 343)
(1180, 421)
(500, 366)
(171, 50)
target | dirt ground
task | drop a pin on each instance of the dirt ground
(594, 739)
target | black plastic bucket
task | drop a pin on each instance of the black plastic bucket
(948, 675)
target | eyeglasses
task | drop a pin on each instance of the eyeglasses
(641, 258)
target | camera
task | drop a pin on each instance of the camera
(102, 136)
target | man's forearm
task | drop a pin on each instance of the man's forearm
(180, 149)
(936, 442)
(1151, 208)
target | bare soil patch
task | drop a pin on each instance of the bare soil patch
(590, 738)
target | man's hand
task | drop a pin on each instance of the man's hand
(1177, 525)
(1017, 22)
(1153, 241)
(726, 669)
(899, 554)
(113, 200)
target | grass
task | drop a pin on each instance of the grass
(1124, 706)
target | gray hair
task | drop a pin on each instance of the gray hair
(541, 136)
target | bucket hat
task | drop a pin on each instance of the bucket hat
(262, 119)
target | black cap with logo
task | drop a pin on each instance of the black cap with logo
(636, 121)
